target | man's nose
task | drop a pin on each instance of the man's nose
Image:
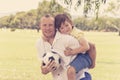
(47, 27)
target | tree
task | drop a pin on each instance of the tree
(88, 5)
(56, 8)
(50, 7)
(114, 9)
(4, 21)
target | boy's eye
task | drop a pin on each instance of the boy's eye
(66, 25)
(61, 28)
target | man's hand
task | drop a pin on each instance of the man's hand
(93, 65)
(49, 67)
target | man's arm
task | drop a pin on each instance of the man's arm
(92, 54)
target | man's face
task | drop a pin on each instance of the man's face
(47, 27)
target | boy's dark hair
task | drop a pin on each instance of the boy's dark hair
(61, 18)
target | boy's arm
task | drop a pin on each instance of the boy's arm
(84, 46)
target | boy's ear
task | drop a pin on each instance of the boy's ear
(72, 26)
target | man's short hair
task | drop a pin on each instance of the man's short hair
(46, 16)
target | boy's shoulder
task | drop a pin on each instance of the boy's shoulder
(76, 30)
(77, 33)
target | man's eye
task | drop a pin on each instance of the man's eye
(44, 24)
(50, 24)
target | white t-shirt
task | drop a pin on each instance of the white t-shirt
(60, 42)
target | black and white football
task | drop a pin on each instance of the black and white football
(50, 56)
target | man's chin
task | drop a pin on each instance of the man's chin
(48, 36)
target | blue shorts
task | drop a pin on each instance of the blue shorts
(81, 61)
(87, 77)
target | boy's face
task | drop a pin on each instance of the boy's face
(65, 28)
(47, 27)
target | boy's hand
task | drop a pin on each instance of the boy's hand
(68, 51)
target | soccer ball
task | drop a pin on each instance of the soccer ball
(50, 56)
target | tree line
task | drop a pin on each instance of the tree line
(30, 19)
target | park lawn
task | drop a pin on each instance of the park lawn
(19, 60)
(108, 52)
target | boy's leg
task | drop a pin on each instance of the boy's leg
(71, 73)
(92, 54)
(81, 61)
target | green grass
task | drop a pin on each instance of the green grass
(108, 52)
(18, 55)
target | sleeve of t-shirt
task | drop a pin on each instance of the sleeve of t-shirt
(73, 43)
(39, 48)
(80, 35)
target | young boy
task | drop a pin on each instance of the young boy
(86, 53)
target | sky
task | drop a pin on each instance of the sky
(11, 6)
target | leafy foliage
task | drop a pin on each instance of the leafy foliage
(88, 5)
(30, 19)
(102, 24)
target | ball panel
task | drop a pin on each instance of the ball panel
(44, 54)
(51, 58)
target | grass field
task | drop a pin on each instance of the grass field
(18, 55)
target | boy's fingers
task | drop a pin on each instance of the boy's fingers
(67, 48)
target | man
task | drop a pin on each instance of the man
(51, 40)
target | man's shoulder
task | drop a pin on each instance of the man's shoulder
(66, 36)
(39, 40)
(77, 31)
(63, 35)
(60, 35)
